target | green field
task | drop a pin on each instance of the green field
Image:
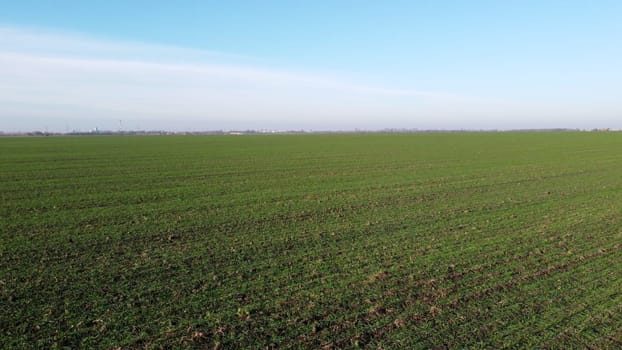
(483, 240)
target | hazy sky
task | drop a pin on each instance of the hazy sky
(206, 65)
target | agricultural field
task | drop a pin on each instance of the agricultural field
(415, 241)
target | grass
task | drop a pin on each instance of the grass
(481, 240)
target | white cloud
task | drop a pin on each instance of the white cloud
(65, 80)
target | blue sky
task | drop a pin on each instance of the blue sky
(318, 65)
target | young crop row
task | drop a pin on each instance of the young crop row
(396, 241)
